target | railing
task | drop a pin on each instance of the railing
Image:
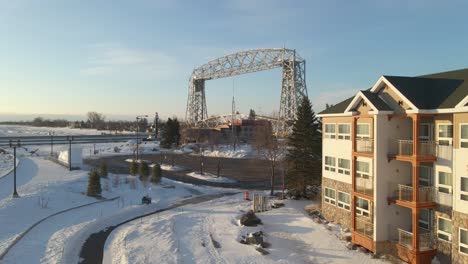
(443, 198)
(444, 152)
(364, 227)
(365, 186)
(426, 239)
(425, 148)
(365, 145)
(405, 193)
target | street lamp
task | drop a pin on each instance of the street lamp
(14, 145)
(137, 123)
(70, 139)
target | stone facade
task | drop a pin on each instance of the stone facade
(444, 249)
(386, 248)
(333, 212)
(458, 220)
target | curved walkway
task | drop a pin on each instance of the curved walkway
(92, 251)
(25, 171)
(25, 232)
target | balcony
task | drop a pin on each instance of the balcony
(405, 193)
(365, 145)
(425, 148)
(444, 152)
(364, 227)
(425, 237)
(364, 186)
(443, 198)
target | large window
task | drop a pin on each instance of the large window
(425, 219)
(344, 200)
(445, 132)
(425, 176)
(425, 132)
(344, 131)
(464, 136)
(362, 207)
(330, 163)
(344, 166)
(330, 196)
(444, 229)
(464, 188)
(330, 131)
(463, 241)
(362, 169)
(362, 131)
(445, 182)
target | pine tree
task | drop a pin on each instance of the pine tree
(94, 184)
(143, 170)
(103, 169)
(171, 133)
(156, 173)
(133, 168)
(304, 151)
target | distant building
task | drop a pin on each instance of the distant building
(395, 166)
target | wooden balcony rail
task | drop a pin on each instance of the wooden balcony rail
(365, 186)
(364, 227)
(365, 145)
(443, 198)
(426, 239)
(425, 148)
(405, 193)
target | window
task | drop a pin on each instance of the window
(425, 176)
(330, 131)
(445, 134)
(362, 131)
(344, 166)
(425, 132)
(330, 163)
(362, 207)
(344, 200)
(344, 131)
(464, 188)
(330, 196)
(464, 136)
(445, 182)
(463, 240)
(444, 229)
(362, 169)
(425, 219)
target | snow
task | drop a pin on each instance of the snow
(6, 164)
(227, 151)
(210, 177)
(17, 130)
(184, 235)
(76, 157)
(167, 167)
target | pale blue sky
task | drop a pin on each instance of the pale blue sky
(124, 58)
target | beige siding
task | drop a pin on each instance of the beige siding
(391, 98)
(363, 109)
(461, 118)
(441, 119)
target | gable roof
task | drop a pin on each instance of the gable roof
(376, 101)
(338, 108)
(425, 93)
(460, 92)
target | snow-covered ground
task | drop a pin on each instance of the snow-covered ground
(47, 188)
(6, 163)
(210, 177)
(185, 235)
(15, 130)
(227, 151)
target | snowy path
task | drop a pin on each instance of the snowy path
(25, 171)
(184, 235)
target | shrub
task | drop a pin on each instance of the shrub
(143, 170)
(133, 168)
(156, 173)
(103, 169)
(94, 184)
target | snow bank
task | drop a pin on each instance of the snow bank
(210, 177)
(76, 157)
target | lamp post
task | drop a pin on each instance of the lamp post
(70, 139)
(51, 134)
(138, 125)
(14, 145)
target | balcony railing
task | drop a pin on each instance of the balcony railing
(444, 152)
(365, 186)
(364, 227)
(426, 239)
(365, 145)
(425, 148)
(443, 198)
(405, 193)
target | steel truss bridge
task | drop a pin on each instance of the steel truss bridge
(293, 84)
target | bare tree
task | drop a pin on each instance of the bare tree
(268, 146)
(96, 119)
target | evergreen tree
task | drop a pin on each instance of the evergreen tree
(103, 169)
(252, 114)
(171, 133)
(156, 173)
(143, 170)
(304, 151)
(94, 184)
(133, 168)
